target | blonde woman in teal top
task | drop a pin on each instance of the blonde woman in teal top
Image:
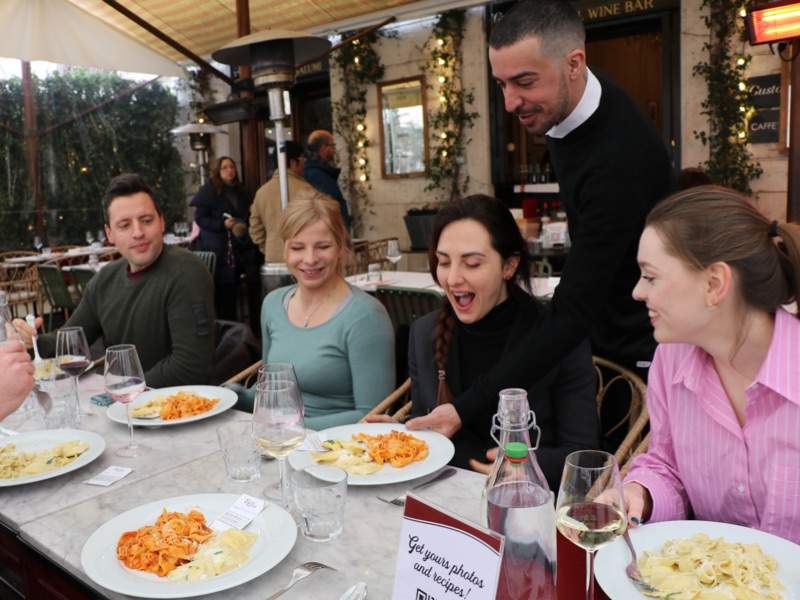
(339, 338)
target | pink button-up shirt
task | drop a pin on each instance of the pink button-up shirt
(702, 462)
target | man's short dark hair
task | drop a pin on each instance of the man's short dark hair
(293, 150)
(555, 23)
(127, 184)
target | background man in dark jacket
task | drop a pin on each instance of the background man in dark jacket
(320, 170)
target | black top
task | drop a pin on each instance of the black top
(563, 400)
(611, 170)
(234, 254)
(325, 178)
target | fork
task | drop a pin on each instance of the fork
(299, 573)
(401, 499)
(632, 570)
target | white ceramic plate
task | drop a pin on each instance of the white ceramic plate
(440, 451)
(227, 398)
(275, 527)
(611, 561)
(42, 440)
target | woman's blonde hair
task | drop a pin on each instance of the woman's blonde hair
(307, 207)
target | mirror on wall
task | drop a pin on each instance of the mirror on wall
(404, 128)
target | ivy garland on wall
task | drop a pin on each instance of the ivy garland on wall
(450, 123)
(728, 104)
(358, 66)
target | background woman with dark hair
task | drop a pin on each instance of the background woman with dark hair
(222, 211)
(479, 258)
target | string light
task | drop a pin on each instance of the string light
(440, 41)
(355, 60)
(444, 153)
(360, 127)
(742, 108)
(743, 12)
(355, 42)
(84, 169)
(443, 135)
(742, 135)
(201, 120)
(362, 178)
(741, 61)
(442, 61)
(742, 86)
(442, 98)
(360, 144)
(442, 78)
(362, 161)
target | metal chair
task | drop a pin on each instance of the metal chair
(56, 292)
(209, 259)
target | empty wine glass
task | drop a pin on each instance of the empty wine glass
(37, 243)
(101, 236)
(393, 254)
(124, 380)
(72, 357)
(89, 237)
(590, 511)
(278, 425)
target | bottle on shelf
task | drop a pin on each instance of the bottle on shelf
(519, 504)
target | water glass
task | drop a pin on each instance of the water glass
(374, 272)
(319, 493)
(239, 451)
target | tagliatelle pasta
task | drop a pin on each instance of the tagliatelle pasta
(704, 568)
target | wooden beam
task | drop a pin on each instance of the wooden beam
(252, 146)
(169, 41)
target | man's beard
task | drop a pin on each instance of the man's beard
(560, 112)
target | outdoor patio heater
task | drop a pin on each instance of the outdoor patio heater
(200, 141)
(273, 55)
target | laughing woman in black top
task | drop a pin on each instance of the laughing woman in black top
(480, 261)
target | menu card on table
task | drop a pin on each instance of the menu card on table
(444, 557)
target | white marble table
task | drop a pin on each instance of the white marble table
(55, 517)
(366, 550)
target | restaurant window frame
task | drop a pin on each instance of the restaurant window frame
(425, 132)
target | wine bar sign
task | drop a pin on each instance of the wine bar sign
(765, 94)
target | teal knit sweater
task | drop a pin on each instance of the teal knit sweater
(344, 366)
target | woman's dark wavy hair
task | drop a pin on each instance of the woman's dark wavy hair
(506, 239)
(216, 178)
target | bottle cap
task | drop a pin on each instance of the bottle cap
(516, 450)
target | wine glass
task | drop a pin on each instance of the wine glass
(278, 425)
(393, 254)
(89, 237)
(72, 357)
(38, 244)
(101, 236)
(124, 381)
(590, 511)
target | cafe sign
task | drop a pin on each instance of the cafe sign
(765, 94)
(598, 10)
(444, 557)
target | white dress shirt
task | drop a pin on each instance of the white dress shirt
(582, 111)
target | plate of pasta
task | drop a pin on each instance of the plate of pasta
(378, 453)
(167, 549)
(174, 405)
(703, 560)
(39, 455)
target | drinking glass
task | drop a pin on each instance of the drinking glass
(72, 357)
(278, 426)
(239, 451)
(124, 379)
(393, 254)
(590, 511)
(319, 493)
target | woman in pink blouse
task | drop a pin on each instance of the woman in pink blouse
(724, 386)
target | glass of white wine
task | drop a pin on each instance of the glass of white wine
(590, 511)
(393, 254)
(278, 426)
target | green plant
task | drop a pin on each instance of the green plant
(77, 160)
(451, 121)
(727, 105)
(358, 65)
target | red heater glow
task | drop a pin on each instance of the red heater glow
(773, 22)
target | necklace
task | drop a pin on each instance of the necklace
(310, 313)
